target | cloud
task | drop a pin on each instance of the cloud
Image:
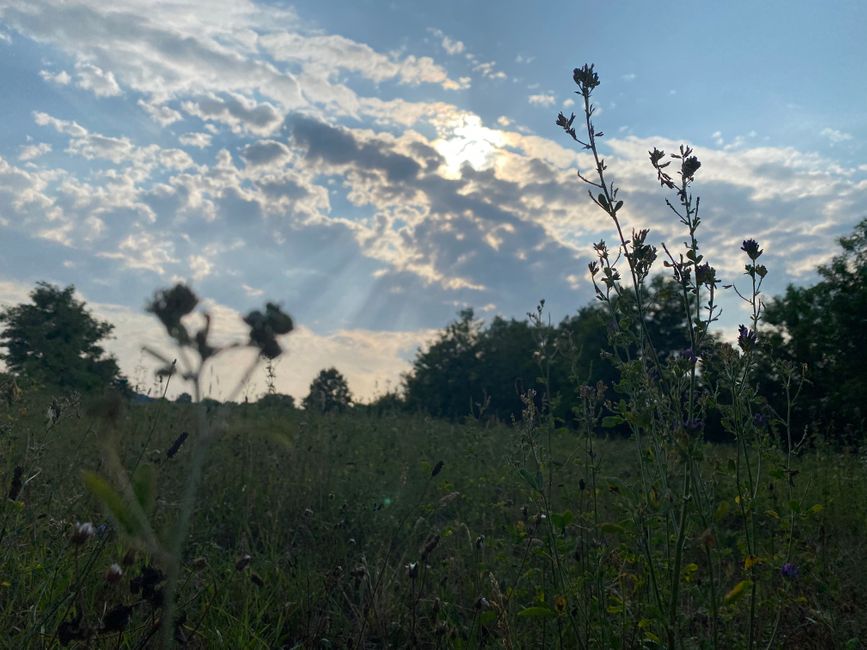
(160, 113)
(265, 152)
(489, 70)
(543, 99)
(93, 78)
(198, 140)
(61, 78)
(237, 111)
(33, 151)
(451, 46)
(834, 136)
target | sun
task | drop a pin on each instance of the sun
(467, 141)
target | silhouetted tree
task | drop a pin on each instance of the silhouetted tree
(329, 393)
(54, 340)
(823, 326)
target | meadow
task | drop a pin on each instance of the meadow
(378, 530)
(596, 514)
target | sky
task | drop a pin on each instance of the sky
(375, 167)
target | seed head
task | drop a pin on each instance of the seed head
(113, 574)
(82, 532)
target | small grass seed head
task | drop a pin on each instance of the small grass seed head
(113, 574)
(482, 603)
(479, 543)
(243, 562)
(81, 532)
(412, 570)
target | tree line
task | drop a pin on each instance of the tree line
(811, 350)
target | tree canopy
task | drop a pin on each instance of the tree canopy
(822, 326)
(329, 393)
(54, 340)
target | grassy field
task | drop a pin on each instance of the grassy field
(390, 531)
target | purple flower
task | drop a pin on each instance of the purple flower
(789, 570)
(689, 355)
(746, 338)
(751, 248)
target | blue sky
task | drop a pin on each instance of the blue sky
(374, 167)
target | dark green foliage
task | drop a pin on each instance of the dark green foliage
(54, 340)
(277, 401)
(483, 371)
(329, 393)
(823, 326)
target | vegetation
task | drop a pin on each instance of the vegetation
(566, 494)
(54, 341)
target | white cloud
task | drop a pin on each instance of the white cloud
(238, 112)
(61, 78)
(489, 70)
(33, 151)
(160, 113)
(198, 140)
(542, 99)
(835, 136)
(629, 76)
(93, 78)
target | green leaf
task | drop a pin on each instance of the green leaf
(487, 617)
(611, 421)
(537, 612)
(612, 528)
(737, 591)
(816, 509)
(722, 510)
(144, 485)
(534, 482)
(111, 500)
(562, 519)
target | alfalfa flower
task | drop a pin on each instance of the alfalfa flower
(751, 248)
(746, 338)
(790, 570)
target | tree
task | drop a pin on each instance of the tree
(822, 326)
(54, 340)
(329, 393)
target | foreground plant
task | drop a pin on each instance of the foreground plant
(669, 533)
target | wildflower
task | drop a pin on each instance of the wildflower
(113, 574)
(82, 532)
(705, 274)
(689, 167)
(746, 338)
(243, 562)
(170, 306)
(689, 355)
(480, 542)
(586, 79)
(789, 570)
(412, 570)
(751, 248)
(264, 328)
(482, 603)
